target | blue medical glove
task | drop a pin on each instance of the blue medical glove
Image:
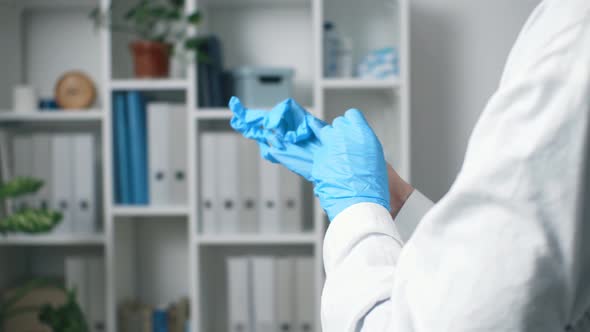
(349, 166)
(285, 134)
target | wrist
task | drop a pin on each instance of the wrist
(334, 207)
(399, 191)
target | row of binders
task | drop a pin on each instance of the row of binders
(150, 151)
(241, 193)
(271, 294)
(67, 164)
(86, 274)
(138, 317)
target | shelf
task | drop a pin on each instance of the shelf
(149, 84)
(360, 84)
(141, 244)
(53, 4)
(224, 113)
(150, 211)
(59, 116)
(213, 114)
(256, 239)
(253, 3)
(53, 240)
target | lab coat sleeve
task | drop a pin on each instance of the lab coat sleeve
(409, 216)
(360, 252)
(498, 252)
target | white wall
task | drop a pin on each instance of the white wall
(56, 41)
(458, 53)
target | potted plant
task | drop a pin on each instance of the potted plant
(67, 317)
(26, 219)
(160, 28)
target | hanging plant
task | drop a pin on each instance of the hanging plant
(26, 220)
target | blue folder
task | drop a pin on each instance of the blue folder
(138, 148)
(121, 144)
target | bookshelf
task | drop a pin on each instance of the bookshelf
(157, 253)
(213, 114)
(52, 117)
(149, 85)
(360, 84)
(269, 240)
(150, 211)
(52, 240)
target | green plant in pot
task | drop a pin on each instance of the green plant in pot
(64, 317)
(26, 219)
(160, 29)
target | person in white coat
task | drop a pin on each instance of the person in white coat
(506, 249)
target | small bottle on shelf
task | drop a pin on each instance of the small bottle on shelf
(331, 50)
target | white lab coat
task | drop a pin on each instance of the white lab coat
(503, 250)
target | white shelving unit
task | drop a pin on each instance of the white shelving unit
(49, 117)
(266, 240)
(213, 114)
(149, 85)
(52, 240)
(150, 211)
(47, 38)
(156, 253)
(358, 84)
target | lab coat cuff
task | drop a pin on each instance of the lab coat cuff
(351, 226)
(411, 213)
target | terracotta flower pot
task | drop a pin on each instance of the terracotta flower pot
(150, 59)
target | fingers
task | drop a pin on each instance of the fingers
(288, 119)
(274, 139)
(278, 115)
(251, 132)
(236, 107)
(316, 125)
(355, 117)
(266, 152)
(352, 118)
(287, 122)
(297, 123)
(247, 122)
(340, 122)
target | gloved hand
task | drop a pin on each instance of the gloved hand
(284, 134)
(349, 166)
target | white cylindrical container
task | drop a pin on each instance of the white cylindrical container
(24, 99)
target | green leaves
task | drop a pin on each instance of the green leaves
(30, 221)
(20, 186)
(65, 318)
(194, 18)
(152, 20)
(193, 43)
(177, 3)
(26, 220)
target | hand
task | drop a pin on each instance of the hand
(285, 134)
(349, 166)
(399, 191)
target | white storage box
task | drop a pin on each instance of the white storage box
(262, 87)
